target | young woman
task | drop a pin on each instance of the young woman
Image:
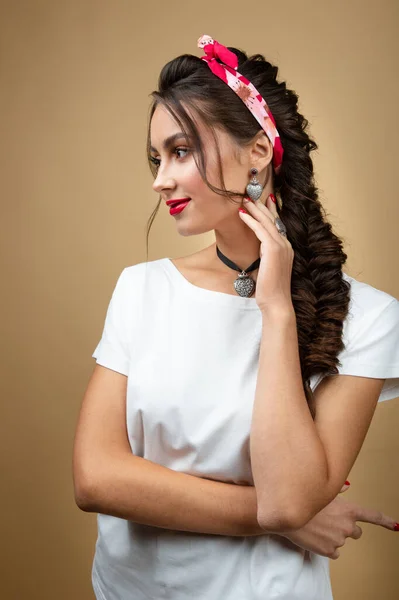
(234, 387)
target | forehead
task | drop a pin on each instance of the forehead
(164, 131)
(162, 119)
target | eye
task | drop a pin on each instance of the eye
(181, 150)
(157, 162)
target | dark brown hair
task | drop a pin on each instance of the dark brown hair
(320, 295)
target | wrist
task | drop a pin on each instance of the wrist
(279, 313)
(249, 506)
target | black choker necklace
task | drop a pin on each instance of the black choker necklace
(244, 284)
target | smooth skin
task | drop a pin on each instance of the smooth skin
(291, 454)
(109, 479)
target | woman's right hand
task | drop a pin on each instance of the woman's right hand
(329, 529)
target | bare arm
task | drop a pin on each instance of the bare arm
(109, 479)
(291, 454)
(139, 490)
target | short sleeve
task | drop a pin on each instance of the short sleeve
(113, 350)
(373, 350)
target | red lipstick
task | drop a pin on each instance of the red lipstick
(175, 201)
(177, 208)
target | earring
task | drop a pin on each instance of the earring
(254, 188)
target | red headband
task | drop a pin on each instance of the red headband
(244, 89)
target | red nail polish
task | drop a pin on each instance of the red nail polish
(396, 528)
(273, 198)
(243, 210)
(347, 483)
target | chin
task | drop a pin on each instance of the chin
(187, 227)
(188, 231)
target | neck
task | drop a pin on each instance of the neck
(242, 258)
(237, 242)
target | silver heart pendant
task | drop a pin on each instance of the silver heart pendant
(244, 285)
(254, 190)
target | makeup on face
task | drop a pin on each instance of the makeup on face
(175, 210)
(169, 141)
(176, 205)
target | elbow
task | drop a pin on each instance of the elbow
(83, 500)
(88, 480)
(277, 521)
(283, 518)
(84, 493)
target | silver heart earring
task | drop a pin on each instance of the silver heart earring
(254, 188)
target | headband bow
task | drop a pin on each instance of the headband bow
(244, 89)
(214, 50)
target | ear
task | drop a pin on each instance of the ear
(260, 151)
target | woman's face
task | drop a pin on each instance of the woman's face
(178, 176)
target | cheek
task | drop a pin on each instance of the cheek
(194, 186)
(192, 182)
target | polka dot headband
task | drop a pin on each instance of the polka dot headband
(244, 89)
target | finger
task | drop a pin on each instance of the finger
(345, 487)
(272, 206)
(336, 554)
(369, 515)
(257, 215)
(357, 532)
(264, 208)
(261, 232)
(259, 208)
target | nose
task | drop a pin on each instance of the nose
(162, 182)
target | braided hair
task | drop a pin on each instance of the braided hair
(320, 294)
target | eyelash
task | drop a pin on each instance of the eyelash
(157, 162)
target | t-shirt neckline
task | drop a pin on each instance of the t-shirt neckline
(211, 296)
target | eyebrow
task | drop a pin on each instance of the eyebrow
(170, 140)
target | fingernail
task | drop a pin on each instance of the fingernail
(396, 527)
(273, 198)
(242, 210)
(347, 482)
(246, 199)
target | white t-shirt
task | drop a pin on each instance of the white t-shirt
(191, 357)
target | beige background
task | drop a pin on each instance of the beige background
(76, 196)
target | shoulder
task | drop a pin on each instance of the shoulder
(156, 271)
(365, 297)
(371, 337)
(367, 305)
(146, 281)
(136, 275)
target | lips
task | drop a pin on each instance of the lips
(176, 202)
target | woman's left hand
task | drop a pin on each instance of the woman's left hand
(273, 284)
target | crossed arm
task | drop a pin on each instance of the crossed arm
(109, 479)
(293, 456)
(137, 489)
